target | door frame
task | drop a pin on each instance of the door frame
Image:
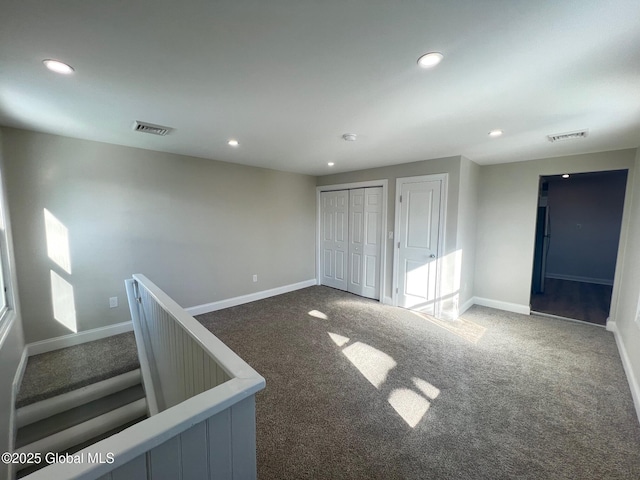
(383, 244)
(444, 178)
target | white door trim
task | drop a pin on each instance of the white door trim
(384, 183)
(444, 177)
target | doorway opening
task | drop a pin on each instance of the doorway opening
(576, 244)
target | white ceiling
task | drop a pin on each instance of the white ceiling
(288, 77)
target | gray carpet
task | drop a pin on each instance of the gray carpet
(394, 395)
(53, 373)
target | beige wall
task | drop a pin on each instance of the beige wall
(625, 309)
(11, 337)
(449, 165)
(507, 209)
(198, 228)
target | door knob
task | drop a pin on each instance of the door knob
(432, 255)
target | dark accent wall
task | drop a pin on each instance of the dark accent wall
(585, 216)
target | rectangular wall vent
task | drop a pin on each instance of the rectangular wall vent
(151, 128)
(561, 137)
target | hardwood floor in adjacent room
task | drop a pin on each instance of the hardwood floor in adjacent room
(588, 302)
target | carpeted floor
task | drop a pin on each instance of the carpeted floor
(53, 373)
(356, 389)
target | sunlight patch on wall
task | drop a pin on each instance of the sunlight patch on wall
(64, 306)
(339, 340)
(451, 268)
(318, 314)
(57, 241)
(371, 362)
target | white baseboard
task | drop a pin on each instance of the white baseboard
(628, 367)
(72, 339)
(251, 297)
(466, 306)
(507, 306)
(15, 387)
(611, 325)
(387, 300)
(574, 278)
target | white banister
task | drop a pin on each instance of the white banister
(144, 352)
(202, 424)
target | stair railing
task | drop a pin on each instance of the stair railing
(201, 399)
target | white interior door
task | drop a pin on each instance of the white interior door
(334, 208)
(418, 241)
(365, 239)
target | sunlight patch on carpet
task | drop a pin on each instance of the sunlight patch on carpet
(411, 406)
(339, 340)
(318, 314)
(371, 362)
(466, 329)
(426, 388)
(410, 403)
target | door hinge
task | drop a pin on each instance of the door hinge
(400, 198)
(396, 289)
(398, 244)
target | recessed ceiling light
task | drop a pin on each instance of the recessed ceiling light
(349, 137)
(58, 67)
(331, 164)
(233, 143)
(566, 175)
(430, 60)
(495, 133)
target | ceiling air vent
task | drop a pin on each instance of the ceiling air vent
(561, 137)
(151, 128)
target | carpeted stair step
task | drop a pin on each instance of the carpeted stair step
(60, 371)
(82, 432)
(27, 470)
(55, 405)
(76, 415)
(80, 417)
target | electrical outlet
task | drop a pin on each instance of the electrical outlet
(113, 302)
(255, 278)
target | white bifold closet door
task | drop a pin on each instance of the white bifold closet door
(363, 236)
(335, 230)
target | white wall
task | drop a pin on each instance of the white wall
(197, 228)
(467, 228)
(585, 215)
(507, 209)
(625, 313)
(11, 337)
